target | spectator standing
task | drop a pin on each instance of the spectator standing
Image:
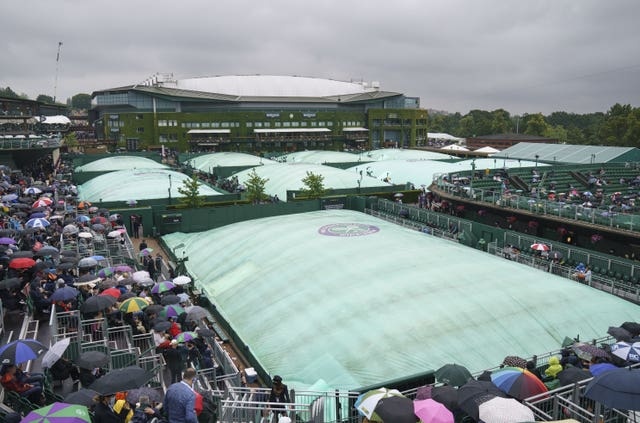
(180, 400)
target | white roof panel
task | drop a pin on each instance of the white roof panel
(290, 130)
(354, 129)
(209, 131)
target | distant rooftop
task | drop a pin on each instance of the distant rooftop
(568, 153)
(515, 137)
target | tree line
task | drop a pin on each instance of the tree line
(620, 125)
(78, 101)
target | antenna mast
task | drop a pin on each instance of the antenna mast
(55, 84)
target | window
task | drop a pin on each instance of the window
(314, 123)
(215, 124)
(303, 123)
(286, 124)
(278, 124)
(139, 117)
(162, 123)
(225, 124)
(205, 124)
(267, 124)
(140, 130)
(329, 123)
(163, 138)
(295, 124)
(173, 123)
(321, 123)
(173, 137)
(249, 124)
(258, 124)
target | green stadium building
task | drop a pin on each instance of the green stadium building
(257, 113)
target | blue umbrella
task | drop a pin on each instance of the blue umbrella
(597, 369)
(65, 293)
(22, 350)
(83, 218)
(618, 388)
(97, 258)
(37, 223)
(37, 215)
(10, 197)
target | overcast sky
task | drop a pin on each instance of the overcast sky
(523, 56)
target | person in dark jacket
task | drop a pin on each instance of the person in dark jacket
(279, 393)
(174, 360)
(103, 411)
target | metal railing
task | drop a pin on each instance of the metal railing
(21, 144)
(406, 223)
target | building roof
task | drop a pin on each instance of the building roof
(401, 154)
(283, 177)
(206, 162)
(320, 157)
(442, 136)
(568, 153)
(140, 184)
(109, 164)
(454, 147)
(375, 301)
(487, 149)
(514, 137)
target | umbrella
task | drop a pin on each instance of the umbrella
(22, 254)
(197, 313)
(97, 303)
(88, 262)
(453, 374)
(170, 300)
(114, 217)
(599, 368)
(48, 250)
(140, 275)
(206, 332)
(632, 327)
(59, 412)
(123, 268)
(515, 361)
(37, 223)
(162, 287)
(98, 227)
(628, 352)
(133, 305)
(42, 202)
(20, 206)
(124, 296)
(106, 272)
(572, 375)
(85, 235)
(84, 204)
(92, 359)
(367, 402)
(69, 259)
(445, 395)
(113, 292)
(430, 411)
(154, 308)
(70, 230)
(83, 218)
(474, 393)
(588, 351)
(154, 394)
(81, 397)
(99, 220)
(504, 410)
(518, 383)
(21, 263)
(66, 293)
(87, 280)
(161, 326)
(121, 380)
(9, 197)
(7, 241)
(145, 252)
(182, 280)
(145, 282)
(37, 215)
(171, 310)
(394, 409)
(618, 388)
(184, 297)
(65, 266)
(10, 283)
(32, 191)
(186, 336)
(68, 253)
(113, 234)
(21, 350)
(540, 247)
(620, 333)
(55, 352)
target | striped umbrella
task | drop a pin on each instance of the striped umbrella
(186, 336)
(133, 305)
(162, 287)
(21, 350)
(145, 252)
(38, 222)
(59, 412)
(518, 383)
(172, 310)
(540, 247)
(626, 351)
(42, 202)
(106, 272)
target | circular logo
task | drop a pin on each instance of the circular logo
(348, 229)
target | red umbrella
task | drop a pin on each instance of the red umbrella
(42, 202)
(114, 292)
(99, 219)
(22, 263)
(540, 247)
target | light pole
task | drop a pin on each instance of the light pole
(169, 188)
(536, 156)
(593, 158)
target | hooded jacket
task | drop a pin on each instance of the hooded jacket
(554, 367)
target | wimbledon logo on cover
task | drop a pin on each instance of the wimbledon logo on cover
(348, 229)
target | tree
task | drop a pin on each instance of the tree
(8, 92)
(536, 125)
(255, 187)
(81, 101)
(501, 122)
(190, 189)
(314, 185)
(43, 98)
(70, 140)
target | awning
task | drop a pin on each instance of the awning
(355, 129)
(290, 130)
(56, 120)
(209, 131)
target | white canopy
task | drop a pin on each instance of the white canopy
(56, 120)
(289, 130)
(454, 147)
(487, 149)
(209, 131)
(442, 136)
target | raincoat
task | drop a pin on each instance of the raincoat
(554, 367)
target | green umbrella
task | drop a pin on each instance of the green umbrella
(59, 412)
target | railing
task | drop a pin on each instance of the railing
(120, 338)
(604, 217)
(406, 223)
(222, 358)
(15, 144)
(424, 216)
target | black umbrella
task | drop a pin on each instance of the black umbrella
(621, 334)
(154, 395)
(41, 265)
(97, 227)
(396, 409)
(66, 293)
(65, 266)
(69, 259)
(451, 374)
(196, 313)
(87, 280)
(154, 308)
(97, 303)
(20, 351)
(161, 326)
(20, 206)
(22, 254)
(121, 380)
(10, 283)
(126, 296)
(445, 395)
(170, 299)
(619, 388)
(92, 359)
(632, 327)
(47, 251)
(474, 393)
(206, 332)
(571, 375)
(68, 253)
(7, 233)
(81, 397)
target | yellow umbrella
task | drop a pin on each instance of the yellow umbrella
(133, 305)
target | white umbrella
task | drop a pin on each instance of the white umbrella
(140, 275)
(504, 410)
(114, 234)
(183, 297)
(85, 235)
(55, 352)
(182, 280)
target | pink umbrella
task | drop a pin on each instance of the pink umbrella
(540, 247)
(431, 411)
